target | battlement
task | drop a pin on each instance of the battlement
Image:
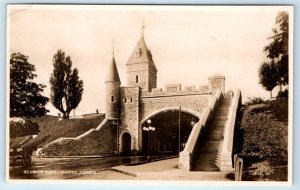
(175, 89)
(215, 82)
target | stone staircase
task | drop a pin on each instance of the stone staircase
(207, 158)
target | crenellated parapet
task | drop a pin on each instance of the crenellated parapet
(215, 82)
(176, 90)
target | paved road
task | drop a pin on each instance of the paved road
(72, 168)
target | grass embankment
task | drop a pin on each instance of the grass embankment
(262, 140)
(51, 128)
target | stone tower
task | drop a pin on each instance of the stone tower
(112, 88)
(140, 68)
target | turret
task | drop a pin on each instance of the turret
(112, 88)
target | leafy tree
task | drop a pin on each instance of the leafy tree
(277, 50)
(66, 87)
(268, 76)
(23, 128)
(26, 100)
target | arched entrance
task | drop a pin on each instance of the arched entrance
(171, 131)
(126, 144)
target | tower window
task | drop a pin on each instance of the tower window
(130, 99)
(112, 99)
(125, 100)
(136, 79)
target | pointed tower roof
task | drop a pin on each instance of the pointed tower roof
(112, 73)
(141, 54)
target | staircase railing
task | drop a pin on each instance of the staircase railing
(226, 161)
(187, 156)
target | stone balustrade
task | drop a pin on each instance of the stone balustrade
(226, 161)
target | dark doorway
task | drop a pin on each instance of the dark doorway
(126, 144)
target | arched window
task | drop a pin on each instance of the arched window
(136, 79)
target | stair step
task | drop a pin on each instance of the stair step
(203, 161)
(223, 106)
(205, 164)
(215, 131)
(207, 169)
(215, 137)
(209, 149)
(220, 108)
(220, 118)
(216, 126)
(225, 102)
(221, 113)
(217, 123)
(211, 143)
(208, 153)
(206, 150)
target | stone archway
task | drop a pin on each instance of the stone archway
(167, 135)
(183, 109)
(126, 143)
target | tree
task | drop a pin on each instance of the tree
(268, 76)
(66, 87)
(26, 100)
(23, 128)
(25, 95)
(277, 50)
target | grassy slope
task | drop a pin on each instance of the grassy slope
(262, 140)
(52, 129)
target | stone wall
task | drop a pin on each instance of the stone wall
(112, 106)
(129, 114)
(146, 75)
(195, 102)
(96, 143)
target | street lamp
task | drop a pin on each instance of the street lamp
(148, 128)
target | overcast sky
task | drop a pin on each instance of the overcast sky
(188, 43)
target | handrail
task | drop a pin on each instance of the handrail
(185, 157)
(227, 149)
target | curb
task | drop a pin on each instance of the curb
(124, 172)
(152, 160)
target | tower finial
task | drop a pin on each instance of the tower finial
(142, 29)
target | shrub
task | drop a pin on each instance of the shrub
(283, 95)
(254, 100)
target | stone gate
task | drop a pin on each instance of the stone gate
(130, 106)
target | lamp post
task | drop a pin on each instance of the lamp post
(148, 128)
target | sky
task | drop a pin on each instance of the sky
(188, 43)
